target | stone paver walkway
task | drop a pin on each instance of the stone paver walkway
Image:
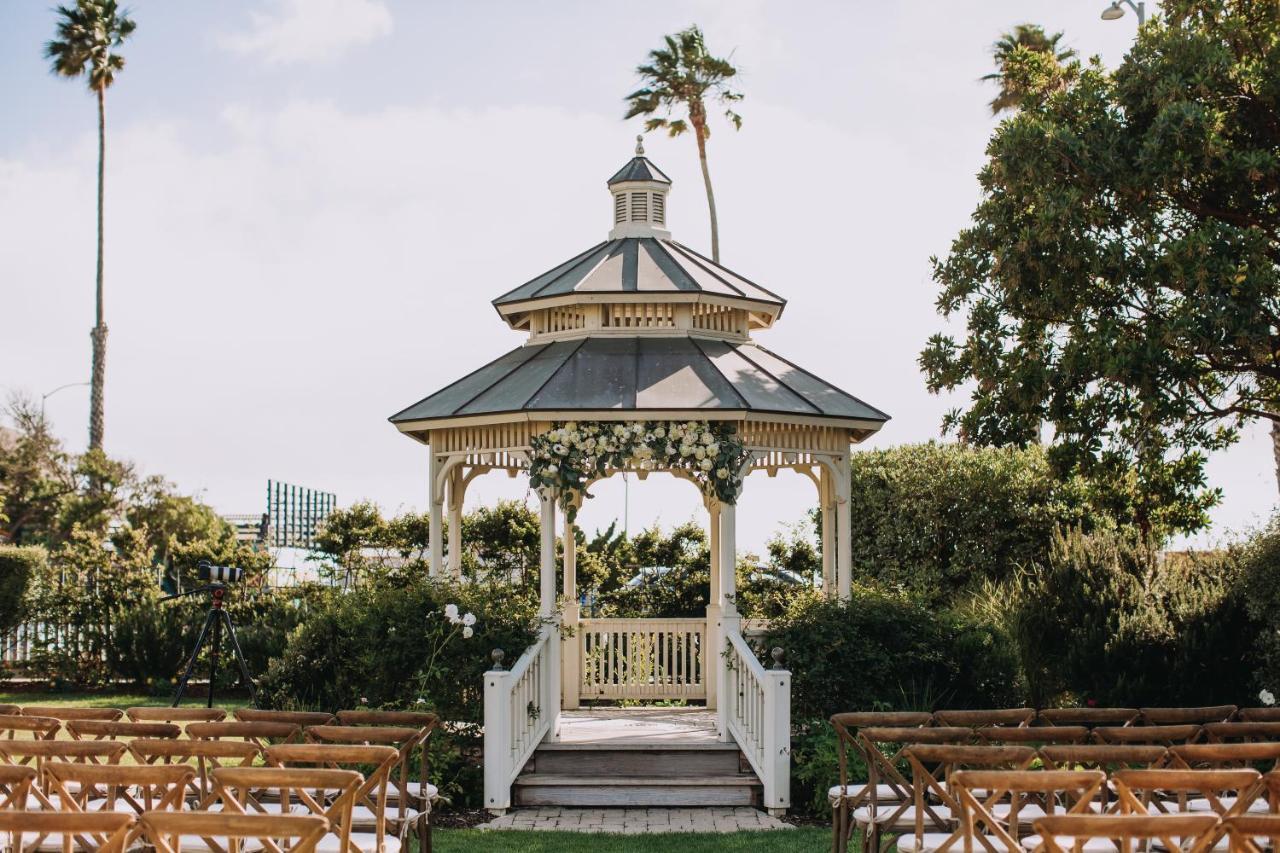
(637, 821)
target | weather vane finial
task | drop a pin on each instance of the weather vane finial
(639, 144)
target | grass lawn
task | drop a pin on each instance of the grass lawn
(516, 841)
(111, 700)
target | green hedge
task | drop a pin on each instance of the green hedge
(18, 566)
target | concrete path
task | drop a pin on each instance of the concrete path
(636, 821)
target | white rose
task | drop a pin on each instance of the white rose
(671, 450)
(722, 473)
(705, 464)
(619, 430)
(467, 633)
(714, 448)
(700, 452)
(686, 450)
(707, 438)
(1266, 697)
(451, 612)
(553, 468)
(660, 433)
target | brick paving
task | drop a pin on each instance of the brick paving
(636, 821)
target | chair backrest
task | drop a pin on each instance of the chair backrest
(372, 793)
(324, 792)
(980, 791)
(882, 750)
(165, 829)
(119, 730)
(1099, 756)
(1182, 716)
(1213, 755)
(297, 718)
(1033, 734)
(64, 714)
(1246, 833)
(976, 719)
(39, 753)
(1192, 833)
(165, 714)
(848, 727)
(204, 755)
(15, 786)
(1269, 714)
(1163, 735)
(106, 832)
(44, 728)
(1088, 716)
(261, 734)
(9, 710)
(1147, 791)
(932, 766)
(404, 739)
(128, 787)
(1263, 732)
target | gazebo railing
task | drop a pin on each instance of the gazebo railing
(520, 706)
(757, 712)
(650, 659)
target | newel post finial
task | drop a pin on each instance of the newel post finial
(639, 144)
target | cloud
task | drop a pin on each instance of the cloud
(310, 30)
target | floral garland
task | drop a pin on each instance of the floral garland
(569, 454)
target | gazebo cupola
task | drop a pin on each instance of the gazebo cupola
(639, 194)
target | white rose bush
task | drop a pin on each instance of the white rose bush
(571, 453)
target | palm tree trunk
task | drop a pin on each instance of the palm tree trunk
(711, 196)
(99, 333)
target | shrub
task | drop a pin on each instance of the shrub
(1106, 618)
(1259, 562)
(391, 646)
(17, 567)
(938, 519)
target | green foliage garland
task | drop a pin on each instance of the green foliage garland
(572, 453)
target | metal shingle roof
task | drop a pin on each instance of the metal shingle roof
(639, 169)
(639, 265)
(637, 374)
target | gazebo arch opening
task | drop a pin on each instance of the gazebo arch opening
(649, 345)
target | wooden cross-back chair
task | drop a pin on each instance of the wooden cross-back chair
(15, 786)
(1162, 735)
(1261, 756)
(204, 755)
(1089, 717)
(165, 831)
(1184, 716)
(1256, 731)
(1270, 714)
(985, 718)
(882, 749)
(109, 829)
(260, 734)
(934, 808)
(125, 788)
(8, 710)
(166, 714)
(376, 763)
(120, 730)
(992, 803)
(41, 728)
(1032, 735)
(1253, 832)
(1187, 833)
(297, 718)
(39, 754)
(847, 795)
(1187, 791)
(324, 792)
(1103, 757)
(64, 715)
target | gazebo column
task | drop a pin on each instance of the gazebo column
(570, 661)
(435, 499)
(826, 502)
(547, 608)
(713, 638)
(729, 620)
(457, 489)
(844, 541)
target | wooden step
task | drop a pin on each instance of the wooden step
(608, 760)
(547, 789)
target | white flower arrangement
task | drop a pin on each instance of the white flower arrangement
(572, 453)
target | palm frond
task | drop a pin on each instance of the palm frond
(86, 34)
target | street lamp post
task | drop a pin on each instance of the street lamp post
(49, 394)
(1115, 11)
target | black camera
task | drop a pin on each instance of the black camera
(206, 571)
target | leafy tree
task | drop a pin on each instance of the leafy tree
(89, 33)
(1121, 278)
(503, 542)
(17, 567)
(35, 476)
(684, 75)
(1030, 44)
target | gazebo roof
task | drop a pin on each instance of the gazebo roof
(639, 168)
(703, 377)
(640, 265)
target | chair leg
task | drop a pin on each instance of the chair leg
(424, 831)
(835, 827)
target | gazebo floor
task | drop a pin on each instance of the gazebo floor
(669, 728)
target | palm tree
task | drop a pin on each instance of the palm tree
(1030, 37)
(87, 35)
(684, 74)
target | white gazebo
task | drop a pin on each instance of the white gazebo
(639, 332)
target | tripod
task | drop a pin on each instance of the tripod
(216, 619)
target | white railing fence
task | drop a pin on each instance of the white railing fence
(642, 658)
(756, 709)
(521, 706)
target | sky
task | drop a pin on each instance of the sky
(310, 204)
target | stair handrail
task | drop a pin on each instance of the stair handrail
(520, 706)
(758, 715)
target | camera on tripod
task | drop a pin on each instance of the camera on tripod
(210, 573)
